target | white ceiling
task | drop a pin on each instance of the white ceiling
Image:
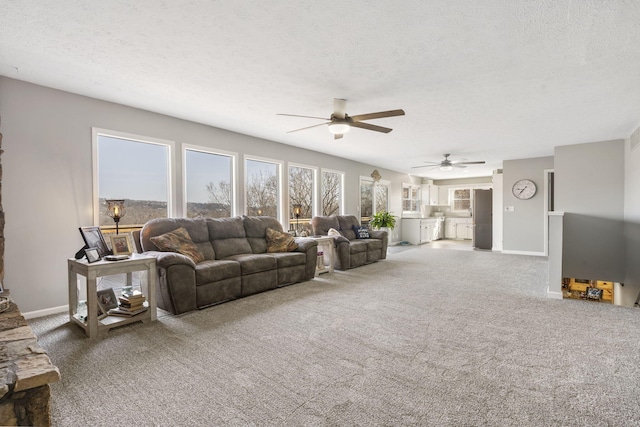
(483, 80)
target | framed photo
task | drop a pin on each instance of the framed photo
(107, 300)
(120, 244)
(92, 254)
(93, 238)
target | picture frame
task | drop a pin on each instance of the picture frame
(92, 255)
(120, 244)
(107, 300)
(93, 238)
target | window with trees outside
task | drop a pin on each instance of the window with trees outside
(374, 197)
(262, 184)
(119, 173)
(302, 183)
(461, 199)
(332, 188)
(209, 183)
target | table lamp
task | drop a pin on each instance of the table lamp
(115, 209)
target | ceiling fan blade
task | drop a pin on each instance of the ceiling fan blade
(297, 115)
(379, 115)
(309, 127)
(337, 136)
(425, 166)
(458, 165)
(370, 127)
(339, 108)
(471, 163)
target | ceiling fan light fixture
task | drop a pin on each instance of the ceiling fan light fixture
(446, 168)
(339, 128)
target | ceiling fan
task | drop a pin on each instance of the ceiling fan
(447, 165)
(340, 122)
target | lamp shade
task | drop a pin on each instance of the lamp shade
(297, 210)
(115, 208)
(339, 128)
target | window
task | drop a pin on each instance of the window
(302, 183)
(332, 188)
(461, 199)
(410, 198)
(262, 187)
(209, 183)
(134, 168)
(374, 197)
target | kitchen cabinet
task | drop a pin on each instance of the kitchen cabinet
(430, 194)
(422, 230)
(458, 228)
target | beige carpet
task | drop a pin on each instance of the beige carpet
(427, 337)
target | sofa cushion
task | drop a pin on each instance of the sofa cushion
(357, 246)
(196, 227)
(374, 244)
(254, 263)
(178, 241)
(277, 241)
(289, 259)
(215, 270)
(255, 229)
(346, 225)
(322, 224)
(362, 232)
(228, 237)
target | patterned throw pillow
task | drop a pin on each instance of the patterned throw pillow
(179, 241)
(361, 232)
(278, 241)
(333, 232)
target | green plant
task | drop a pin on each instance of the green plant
(382, 219)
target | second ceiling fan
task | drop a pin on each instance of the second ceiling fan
(340, 122)
(447, 165)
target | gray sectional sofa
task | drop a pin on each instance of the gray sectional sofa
(236, 262)
(351, 251)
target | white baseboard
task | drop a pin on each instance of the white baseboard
(523, 253)
(45, 312)
(553, 294)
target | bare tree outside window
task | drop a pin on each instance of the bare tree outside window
(462, 199)
(331, 193)
(208, 184)
(382, 198)
(262, 188)
(301, 185)
(366, 201)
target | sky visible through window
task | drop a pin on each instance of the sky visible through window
(132, 170)
(202, 169)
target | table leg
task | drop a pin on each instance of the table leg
(92, 306)
(151, 290)
(73, 293)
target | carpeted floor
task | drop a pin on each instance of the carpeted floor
(427, 337)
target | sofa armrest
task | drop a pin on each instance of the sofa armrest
(304, 244)
(339, 239)
(167, 259)
(378, 234)
(309, 247)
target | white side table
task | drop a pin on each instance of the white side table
(327, 245)
(92, 325)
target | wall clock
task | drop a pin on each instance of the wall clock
(524, 189)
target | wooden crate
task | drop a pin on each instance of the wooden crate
(576, 287)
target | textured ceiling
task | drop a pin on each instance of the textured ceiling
(483, 80)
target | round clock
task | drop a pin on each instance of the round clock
(524, 189)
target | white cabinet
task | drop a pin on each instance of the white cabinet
(443, 195)
(458, 228)
(420, 230)
(430, 194)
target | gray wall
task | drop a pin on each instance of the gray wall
(589, 189)
(632, 219)
(47, 186)
(523, 229)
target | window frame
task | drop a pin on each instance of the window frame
(217, 152)
(280, 186)
(342, 175)
(314, 192)
(374, 186)
(171, 145)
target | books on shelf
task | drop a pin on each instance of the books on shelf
(126, 312)
(130, 303)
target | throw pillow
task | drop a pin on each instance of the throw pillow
(179, 241)
(333, 232)
(361, 232)
(277, 241)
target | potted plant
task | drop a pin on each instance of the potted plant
(382, 220)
